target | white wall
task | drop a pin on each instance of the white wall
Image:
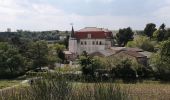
(90, 47)
(73, 45)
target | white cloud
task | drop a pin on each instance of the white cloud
(23, 14)
(103, 1)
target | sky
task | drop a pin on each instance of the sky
(42, 15)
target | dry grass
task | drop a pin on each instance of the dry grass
(140, 91)
(8, 83)
(149, 91)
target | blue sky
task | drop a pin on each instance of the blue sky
(58, 14)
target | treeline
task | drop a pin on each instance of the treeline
(44, 35)
(155, 34)
(18, 56)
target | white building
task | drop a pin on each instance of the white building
(90, 39)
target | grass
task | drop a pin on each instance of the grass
(67, 69)
(57, 88)
(140, 91)
(8, 83)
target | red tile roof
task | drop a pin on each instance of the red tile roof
(96, 33)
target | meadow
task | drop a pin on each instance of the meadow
(57, 88)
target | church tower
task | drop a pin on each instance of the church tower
(73, 42)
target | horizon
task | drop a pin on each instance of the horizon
(44, 15)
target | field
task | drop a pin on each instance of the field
(8, 83)
(86, 91)
(140, 91)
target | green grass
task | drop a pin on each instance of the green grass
(8, 83)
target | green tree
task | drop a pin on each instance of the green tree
(39, 54)
(11, 62)
(124, 35)
(150, 29)
(58, 49)
(159, 34)
(125, 70)
(160, 61)
(89, 64)
(143, 43)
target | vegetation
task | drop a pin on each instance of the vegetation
(124, 36)
(11, 62)
(8, 83)
(161, 61)
(57, 88)
(142, 42)
(150, 29)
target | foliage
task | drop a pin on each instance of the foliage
(150, 29)
(38, 52)
(11, 62)
(125, 70)
(57, 50)
(143, 43)
(57, 88)
(90, 64)
(161, 34)
(124, 36)
(161, 61)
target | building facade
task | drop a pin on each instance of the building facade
(90, 39)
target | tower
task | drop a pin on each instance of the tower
(73, 42)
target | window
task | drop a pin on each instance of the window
(96, 42)
(81, 43)
(93, 43)
(85, 43)
(100, 43)
(89, 36)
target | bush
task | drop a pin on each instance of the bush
(125, 70)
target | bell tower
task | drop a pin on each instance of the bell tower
(73, 42)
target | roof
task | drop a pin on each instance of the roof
(134, 54)
(126, 49)
(96, 33)
(103, 53)
(134, 49)
(118, 48)
(91, 29)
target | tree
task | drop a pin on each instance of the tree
(89, 64)
(160, 61)
(142, 42)
(39, 54)
(61, 55)
(125, 70)
(159, 34)
(124, 36)
(150, 29)
(58, 50)
(66, 41)
(11, 62)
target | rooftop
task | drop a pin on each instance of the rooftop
(93, 29)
